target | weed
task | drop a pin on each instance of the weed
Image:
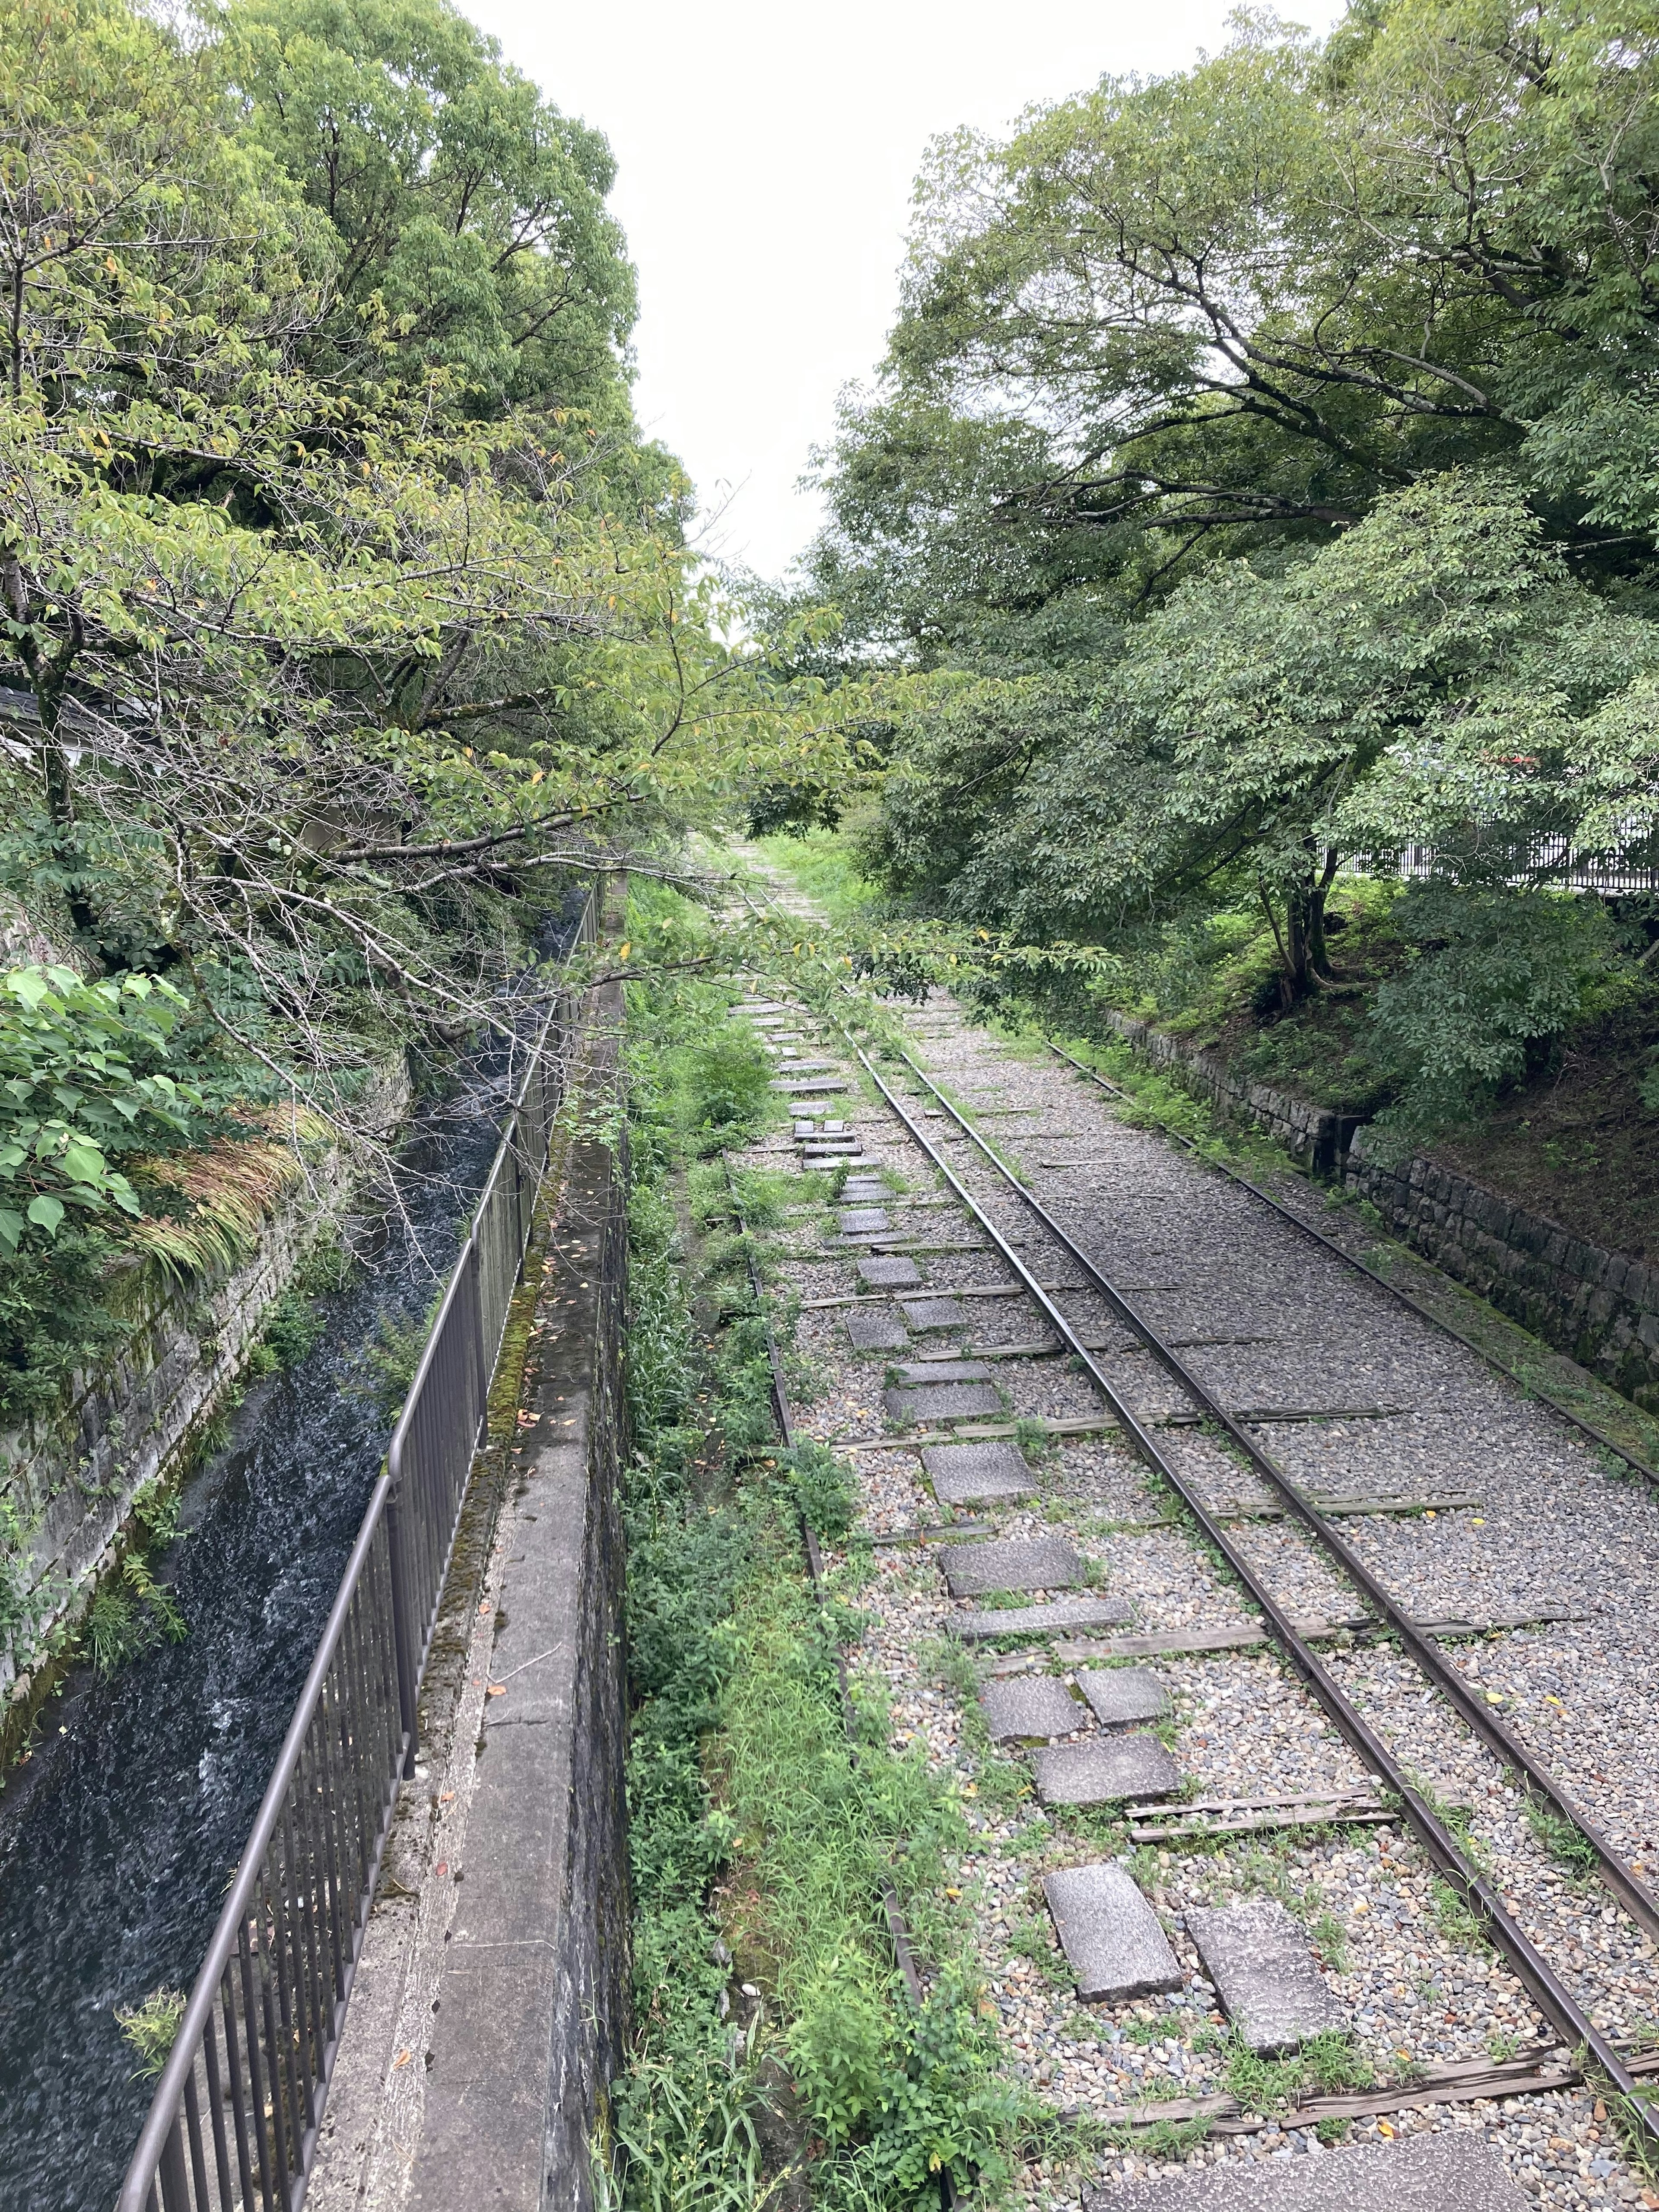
(1164, 2142)
(1564, 1842)
(823, 1487)
(393, 1354)
(156, 1508)
(1629, 2117)
(1330, 1940)
(1457, 1918)
(755, 1827)
(1503, 2045)
(128, 1615)
(1032, 1939)
(1032, 1437)
(685, 2132)
(111, 1631)
(1166, 2026)
(293, 1323)
(1325, 2065)
(151, 2028)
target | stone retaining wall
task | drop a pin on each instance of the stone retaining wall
(1315, 1136)
(71, 1475)
(1599, 1307)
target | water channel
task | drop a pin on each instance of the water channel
(118, 1838)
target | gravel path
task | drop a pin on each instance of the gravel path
(1423, 1416)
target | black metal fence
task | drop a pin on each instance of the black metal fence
(1548, 861)
(232, 2126)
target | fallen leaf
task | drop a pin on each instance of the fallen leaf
(497, 1690)
(401, 2059)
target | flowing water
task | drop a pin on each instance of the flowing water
(118, 1838)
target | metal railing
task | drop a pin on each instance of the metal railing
(232, 2126)
(1546, 860)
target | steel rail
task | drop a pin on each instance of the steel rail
(1329, 1243)
(1554, 2000)
(1632, 1893)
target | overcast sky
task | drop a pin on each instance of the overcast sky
(767, 154)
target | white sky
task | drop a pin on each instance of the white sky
(766, 153)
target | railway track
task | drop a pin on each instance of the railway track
(1323, 1755)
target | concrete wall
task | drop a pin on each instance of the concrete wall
(532, 2003)
(1599, 1307)
(71, 1474)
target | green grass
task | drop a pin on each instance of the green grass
(821, 864)
(1325, 2066)
(1567, 1844)
(151, 2028)
(762, 1830)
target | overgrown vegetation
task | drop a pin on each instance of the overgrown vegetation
(152, 2028)
(763, 1833)
(349, 619)
(1256, 508)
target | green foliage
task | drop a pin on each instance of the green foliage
(1247, 493)
(54, 1319)
(822, 863)
(390, 1355)
(1326, 2065)
(128, 1616)
(839, 2047)
(293, 1323)
(1498, 974)
(685, 2130)
(83, 1079)
(468, 213)
(316, 400)
(823, 1484)
(739, 1759)
(1566, 1842)
(1457, 1918)
(151, 2028)
(1330, 1940)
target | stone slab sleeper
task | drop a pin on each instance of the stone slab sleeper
(1110, 1936)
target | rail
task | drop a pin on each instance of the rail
(1554, 1999)
(232, 2126)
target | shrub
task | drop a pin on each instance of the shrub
(1498, 974)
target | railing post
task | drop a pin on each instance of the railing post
(403, 1621)
(175, 2181)
(480, 1363)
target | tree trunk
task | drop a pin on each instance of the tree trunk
(1304, 962)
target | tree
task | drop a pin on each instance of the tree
(315, 673)
(1229, 309)
(1436, 675)
(468, 213)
